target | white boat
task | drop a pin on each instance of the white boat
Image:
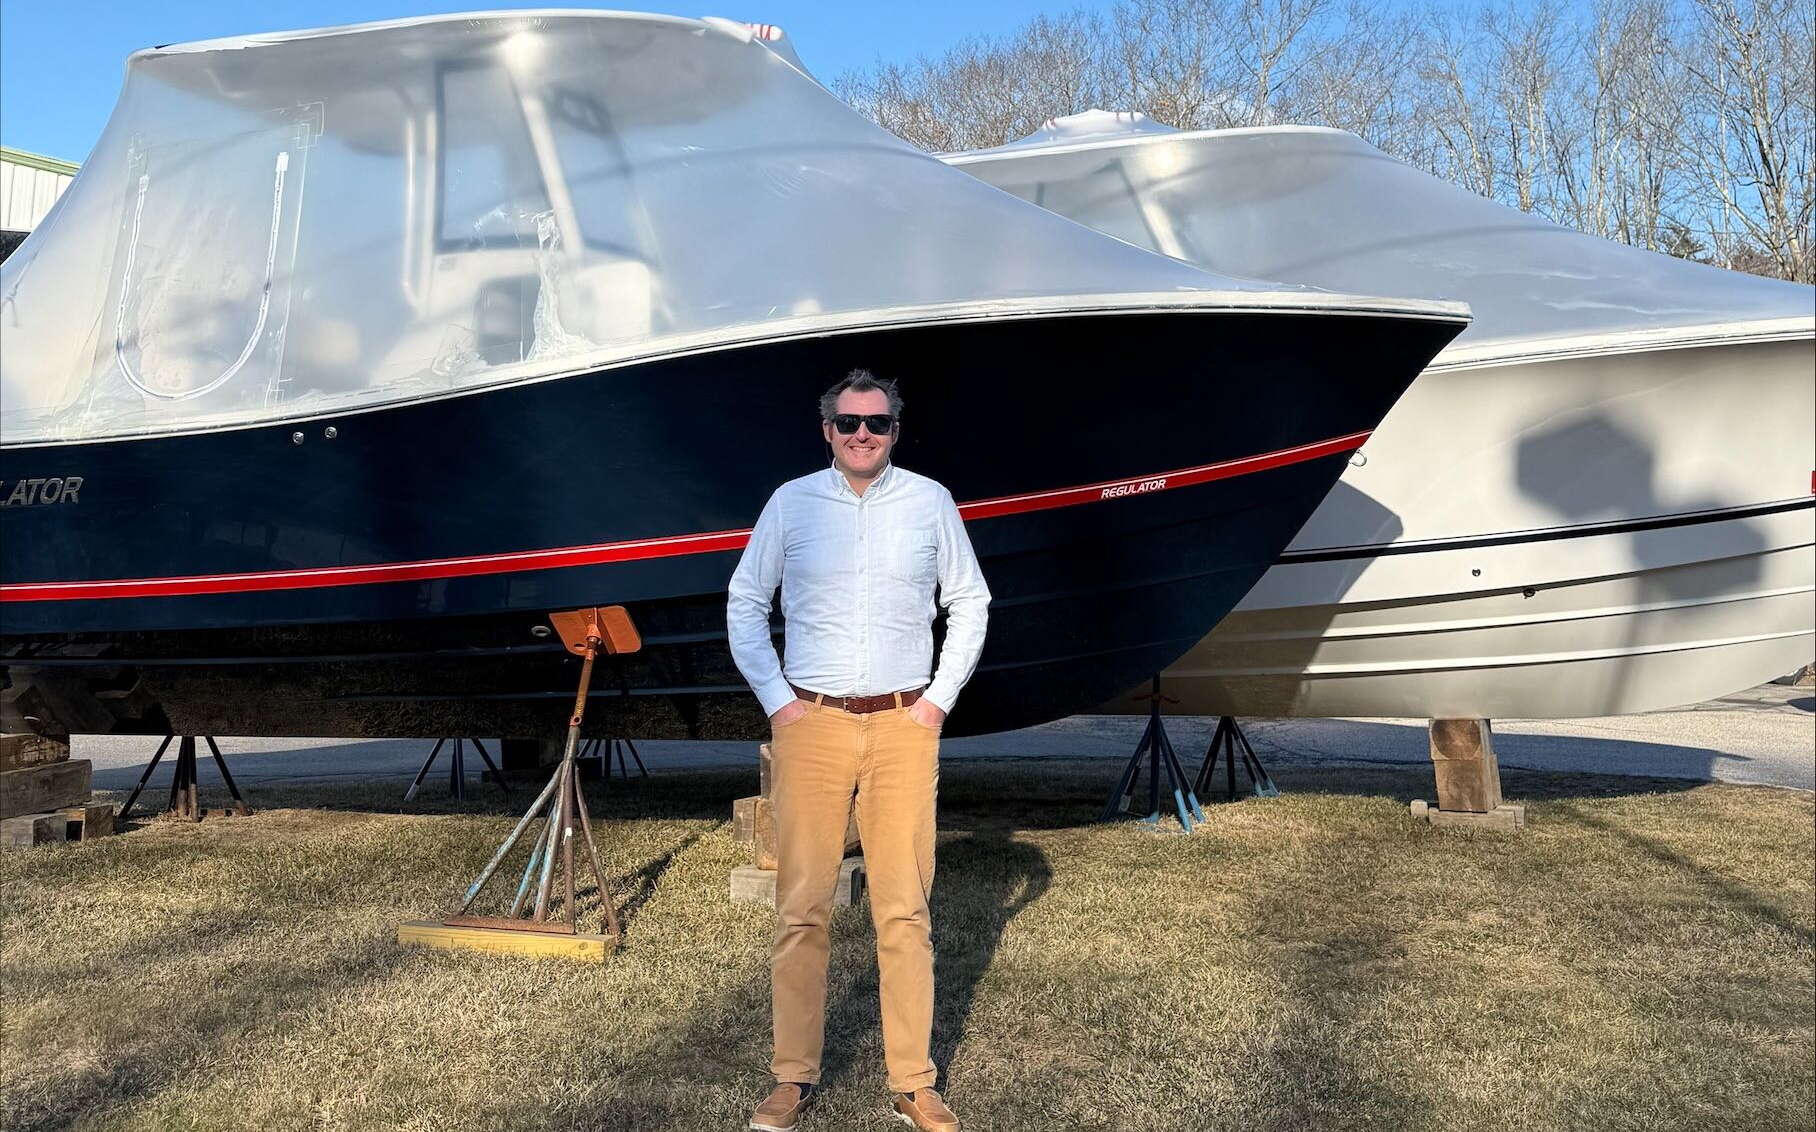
(1597, 500)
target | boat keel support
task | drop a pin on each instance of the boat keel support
(596, 760)
(183, 800)
(457, 768)
(1469, 780)
(1229, 743)
(548, 879)
(1158, 750)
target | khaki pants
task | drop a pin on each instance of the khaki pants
(891, 764)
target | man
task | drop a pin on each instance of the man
(858, 550)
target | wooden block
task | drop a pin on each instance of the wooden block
(1463, 759)
(1509, 817)
(20, 751)
(766, 768)
(744, 820)
(763, 834)
(32, 829)
(850, 889)
(40, 789)
(433, 933)
(745, 824)
(87, 822)
(751, 885)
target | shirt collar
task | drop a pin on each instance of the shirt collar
(886, 477)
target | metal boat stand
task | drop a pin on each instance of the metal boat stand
(457, 769)
(601, 751)
(1159, 752)
(1224, 741)
(562, 809)
(183, 803)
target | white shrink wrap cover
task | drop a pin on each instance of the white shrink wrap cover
(286, 225)
(1322, 207)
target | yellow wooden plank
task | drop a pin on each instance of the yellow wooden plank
(433, 933)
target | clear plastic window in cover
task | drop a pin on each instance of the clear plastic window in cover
(285, 225)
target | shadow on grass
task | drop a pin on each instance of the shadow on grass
(1323, 986)
(203, 1029)
(179, 998)
(1719, 887)
(980, 795)
(643, 881)
(690, 795)
(1300, 744)
(984, 879)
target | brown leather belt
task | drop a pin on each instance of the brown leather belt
(859, 705)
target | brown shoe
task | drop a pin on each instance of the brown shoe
(782, 1108)
(924, 1109)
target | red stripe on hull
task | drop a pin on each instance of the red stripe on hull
(1166, 481)
(639, 549)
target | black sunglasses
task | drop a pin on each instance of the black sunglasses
(881, 424)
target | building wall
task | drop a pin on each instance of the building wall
(29, 185)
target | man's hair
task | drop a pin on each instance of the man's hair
(859, 381)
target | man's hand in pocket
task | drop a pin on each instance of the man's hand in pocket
(926, 713)
(788, 713)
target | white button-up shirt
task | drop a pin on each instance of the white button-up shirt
(858, 576)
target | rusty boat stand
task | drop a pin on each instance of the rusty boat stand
(533, 925)
(184, 803)
(457, 768)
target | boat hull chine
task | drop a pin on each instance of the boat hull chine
(1730, 604)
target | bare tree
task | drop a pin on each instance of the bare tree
(1749, 130)
(1358, 82)
(1461, 145)
(1615, 168)
(1172, 58)
(984, 92)
(1265, 34)
(1683, 126)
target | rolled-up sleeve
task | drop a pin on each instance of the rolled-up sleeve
(966, 600)
(751, 596)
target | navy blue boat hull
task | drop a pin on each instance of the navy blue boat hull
(389, 580)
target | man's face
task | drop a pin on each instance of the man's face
(863, 452)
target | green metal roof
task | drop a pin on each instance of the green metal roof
(37, 161)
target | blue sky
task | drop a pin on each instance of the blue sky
(61, 60)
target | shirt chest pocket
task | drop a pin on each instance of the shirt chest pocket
(911, 555)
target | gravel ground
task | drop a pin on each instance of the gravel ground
(1766, 736)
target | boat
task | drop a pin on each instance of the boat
(1596, 500)
(352, 353)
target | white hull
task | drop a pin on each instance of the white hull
(1628, 436)
(1584, 536)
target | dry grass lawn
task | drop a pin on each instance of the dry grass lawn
(1640, 958)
